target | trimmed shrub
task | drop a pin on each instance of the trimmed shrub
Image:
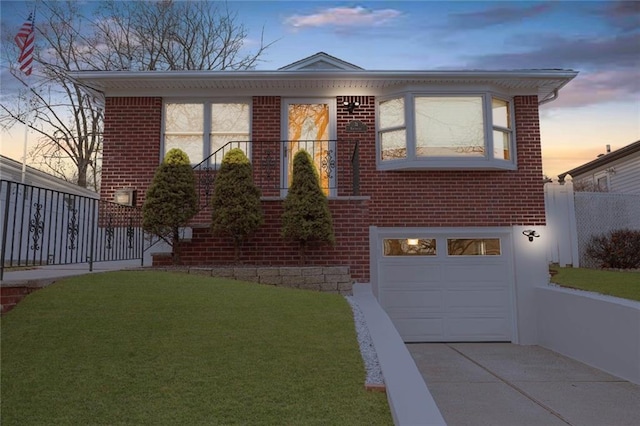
(171, 200)
(306, 217)
(236, 209)
(619, 249)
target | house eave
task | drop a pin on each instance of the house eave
(132, 83)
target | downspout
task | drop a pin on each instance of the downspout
(554, 96)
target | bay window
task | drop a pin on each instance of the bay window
(453, 131)
(202, 128)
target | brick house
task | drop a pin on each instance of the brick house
(432, 176)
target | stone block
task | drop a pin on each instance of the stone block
(313, 279)
(329, 287)
(306, 272)
(335, 270)
(310, 286)
(291, 281)
(337, 278)
(290, 272)
(345, 287)
(270, 279)
(222, 272)
(268, 272)
(245, 273)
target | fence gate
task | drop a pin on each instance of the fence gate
(45, 227)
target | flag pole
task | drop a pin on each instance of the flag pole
(24, 145)
(25, 41)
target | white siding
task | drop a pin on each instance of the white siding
(626, 178)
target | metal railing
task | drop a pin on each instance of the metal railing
(45, 227)
(272, 164)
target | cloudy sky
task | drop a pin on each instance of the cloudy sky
(601, 40)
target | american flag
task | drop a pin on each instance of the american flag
(25, 41)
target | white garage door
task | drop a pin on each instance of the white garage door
(447, 287)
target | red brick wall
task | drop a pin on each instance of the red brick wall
(265, 146)
(131, 148)
(267, 248)
(430, 198)
(455, 198)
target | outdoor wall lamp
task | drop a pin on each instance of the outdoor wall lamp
(125, 197)
(351, 106)
(531, 234)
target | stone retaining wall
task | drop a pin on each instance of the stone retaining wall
(328, 279)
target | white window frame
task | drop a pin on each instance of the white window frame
(596, 181)
(206, 129)
(413, 162)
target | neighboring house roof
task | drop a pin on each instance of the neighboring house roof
(602, 161)
(319, 74)
(11, 170)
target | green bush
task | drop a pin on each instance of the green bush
(236, 209)
(171, 200)
(619, 249)
(306, 217)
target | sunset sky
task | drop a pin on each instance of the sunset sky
(601, 40)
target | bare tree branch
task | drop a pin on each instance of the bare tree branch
(144, 35)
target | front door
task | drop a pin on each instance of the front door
(310, 125)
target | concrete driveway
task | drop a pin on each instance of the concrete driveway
(504, 384)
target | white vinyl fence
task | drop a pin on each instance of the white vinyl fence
(573, 218)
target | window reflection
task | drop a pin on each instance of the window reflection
(473, 246)
(409, 246)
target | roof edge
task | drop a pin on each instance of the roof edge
(602, 160)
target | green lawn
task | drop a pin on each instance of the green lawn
(158, 348)
(619, 284)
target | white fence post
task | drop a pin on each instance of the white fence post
(561, 224)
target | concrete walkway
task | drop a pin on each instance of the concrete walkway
(45, 275)
(505, 384)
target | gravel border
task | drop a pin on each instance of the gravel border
(367, 350)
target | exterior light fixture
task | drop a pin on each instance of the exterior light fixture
(125, 197)
(531, 234)
(351, 106)
(413, 241)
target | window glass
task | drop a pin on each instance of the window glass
(229, 123)
(501, 145)
(184, 124)
(391, 113)
(191, 145)
(308, 129)
(182, 118)
(230, 118)
(394, 144)
(501, 129)
(409, 246)
(449, 126)
(473, 246)
(500, 110)
(603, 184)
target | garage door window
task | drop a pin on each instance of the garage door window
(473, 247)
(409, 247)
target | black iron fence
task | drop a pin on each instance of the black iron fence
(273, 164)
(45, 227)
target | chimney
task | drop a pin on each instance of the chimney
(608, 148)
